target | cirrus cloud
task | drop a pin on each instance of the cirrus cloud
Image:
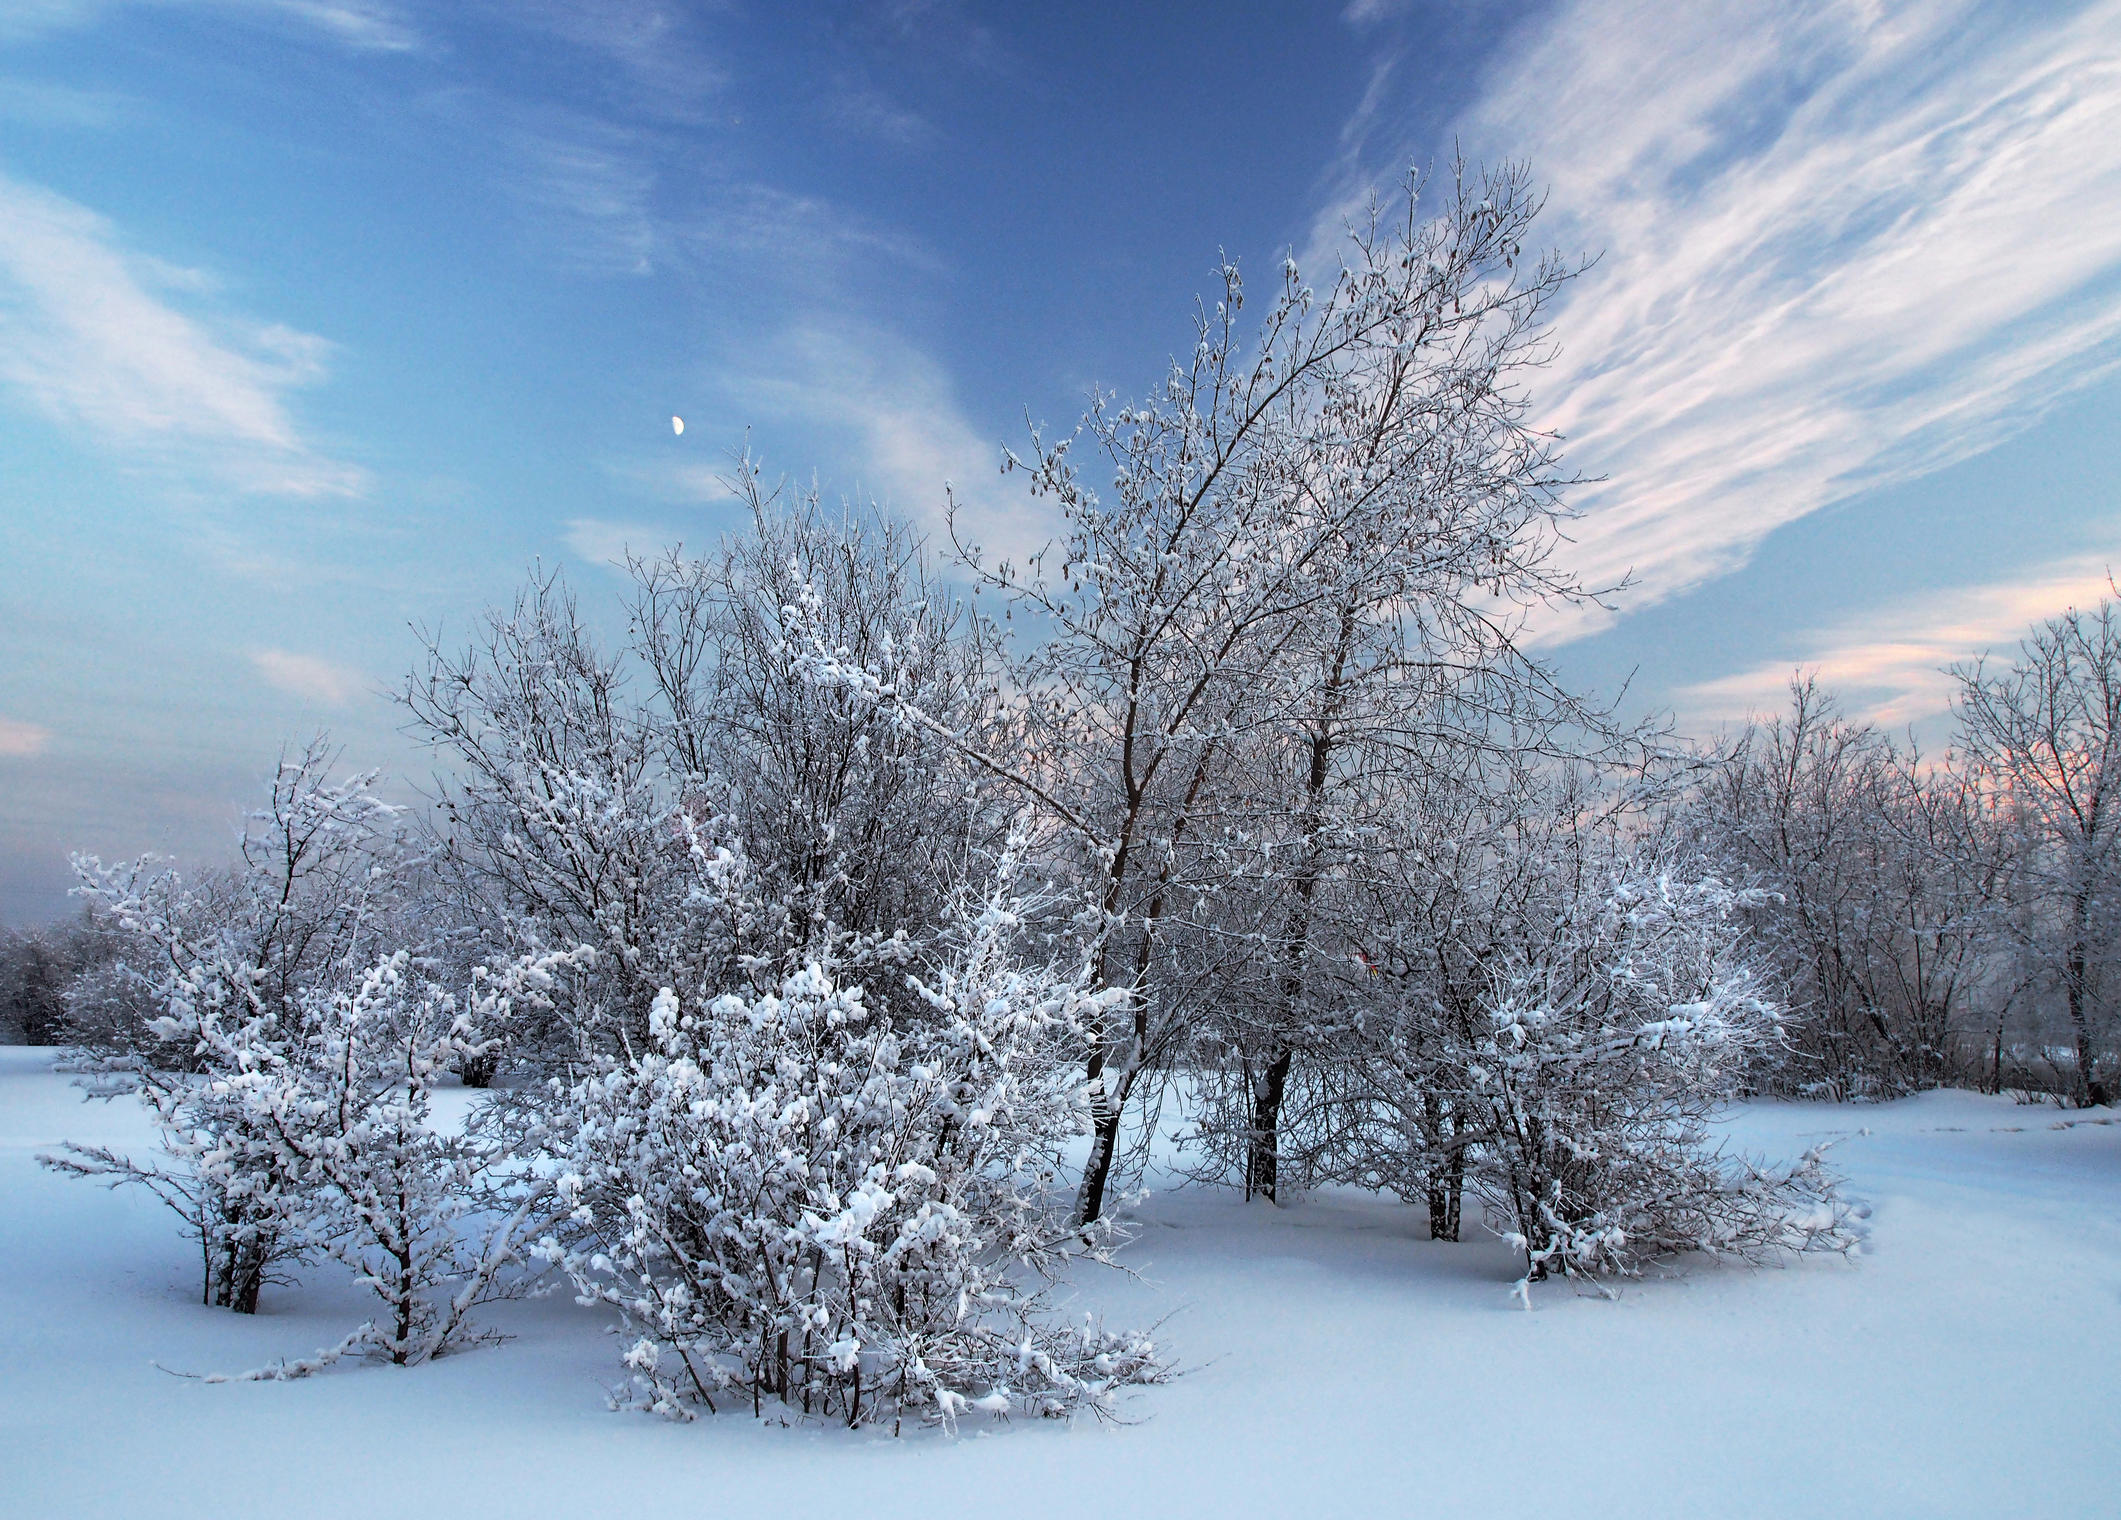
(1891, 665)
(1843, 244)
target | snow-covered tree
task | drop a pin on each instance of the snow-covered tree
(1535, 994)
(1303, 507)
(557, 826)
(796, 1201)
(863, 826)
(1606, 1046)
(432, 1219)
(291, 1068)
(600, 797)
(221, 961)
(1884, 881)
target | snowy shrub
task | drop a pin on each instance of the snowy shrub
(220, 962)
(1608, 1046)
(290, 1068)
(320, 1123)
(222, 1175)
(793, 1199)
(391, 1196)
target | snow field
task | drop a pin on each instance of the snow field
(1337, 1364)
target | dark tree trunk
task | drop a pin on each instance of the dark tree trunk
(1108, 1108)
(2089, 1090)
(1263, 1146)
(1097, 1176)
(243, 1294)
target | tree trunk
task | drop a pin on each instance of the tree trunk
(1263, 1145)
(2089, 1090)
(1447, 1184)
(1108, 1106)
(249, 1282)
(1097, 1175)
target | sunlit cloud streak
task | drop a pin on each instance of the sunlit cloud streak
(1841, 245)
(1892, 665)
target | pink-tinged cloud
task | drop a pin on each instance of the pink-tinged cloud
(1891, 666)
(308, 677)
(20, 740)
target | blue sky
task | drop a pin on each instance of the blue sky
(319, 318)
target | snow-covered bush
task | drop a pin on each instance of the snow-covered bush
(793, 1199)
(430, 1219)
(802, 1174)
(1608, 1044)
(855, 825)
(600, 795)
(290, 1068)
(220, 961)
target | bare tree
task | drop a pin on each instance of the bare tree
(2042, 739)
(1885, 877)
(39, 970)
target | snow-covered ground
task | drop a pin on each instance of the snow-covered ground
(1968, 1363)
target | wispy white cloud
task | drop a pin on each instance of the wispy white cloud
(89, 336)
(603, 195)
(306, 676)
(602, 542)
(810, 243)
(1889, 665)
(589, 186)
(31, 18)
(868, 112)
(899, 411)
(689, 482)
(367, 25)
(20, 740)
(668, 69)
(41, 103)
(1844, 243)
(945, 31)
(1370, 12)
